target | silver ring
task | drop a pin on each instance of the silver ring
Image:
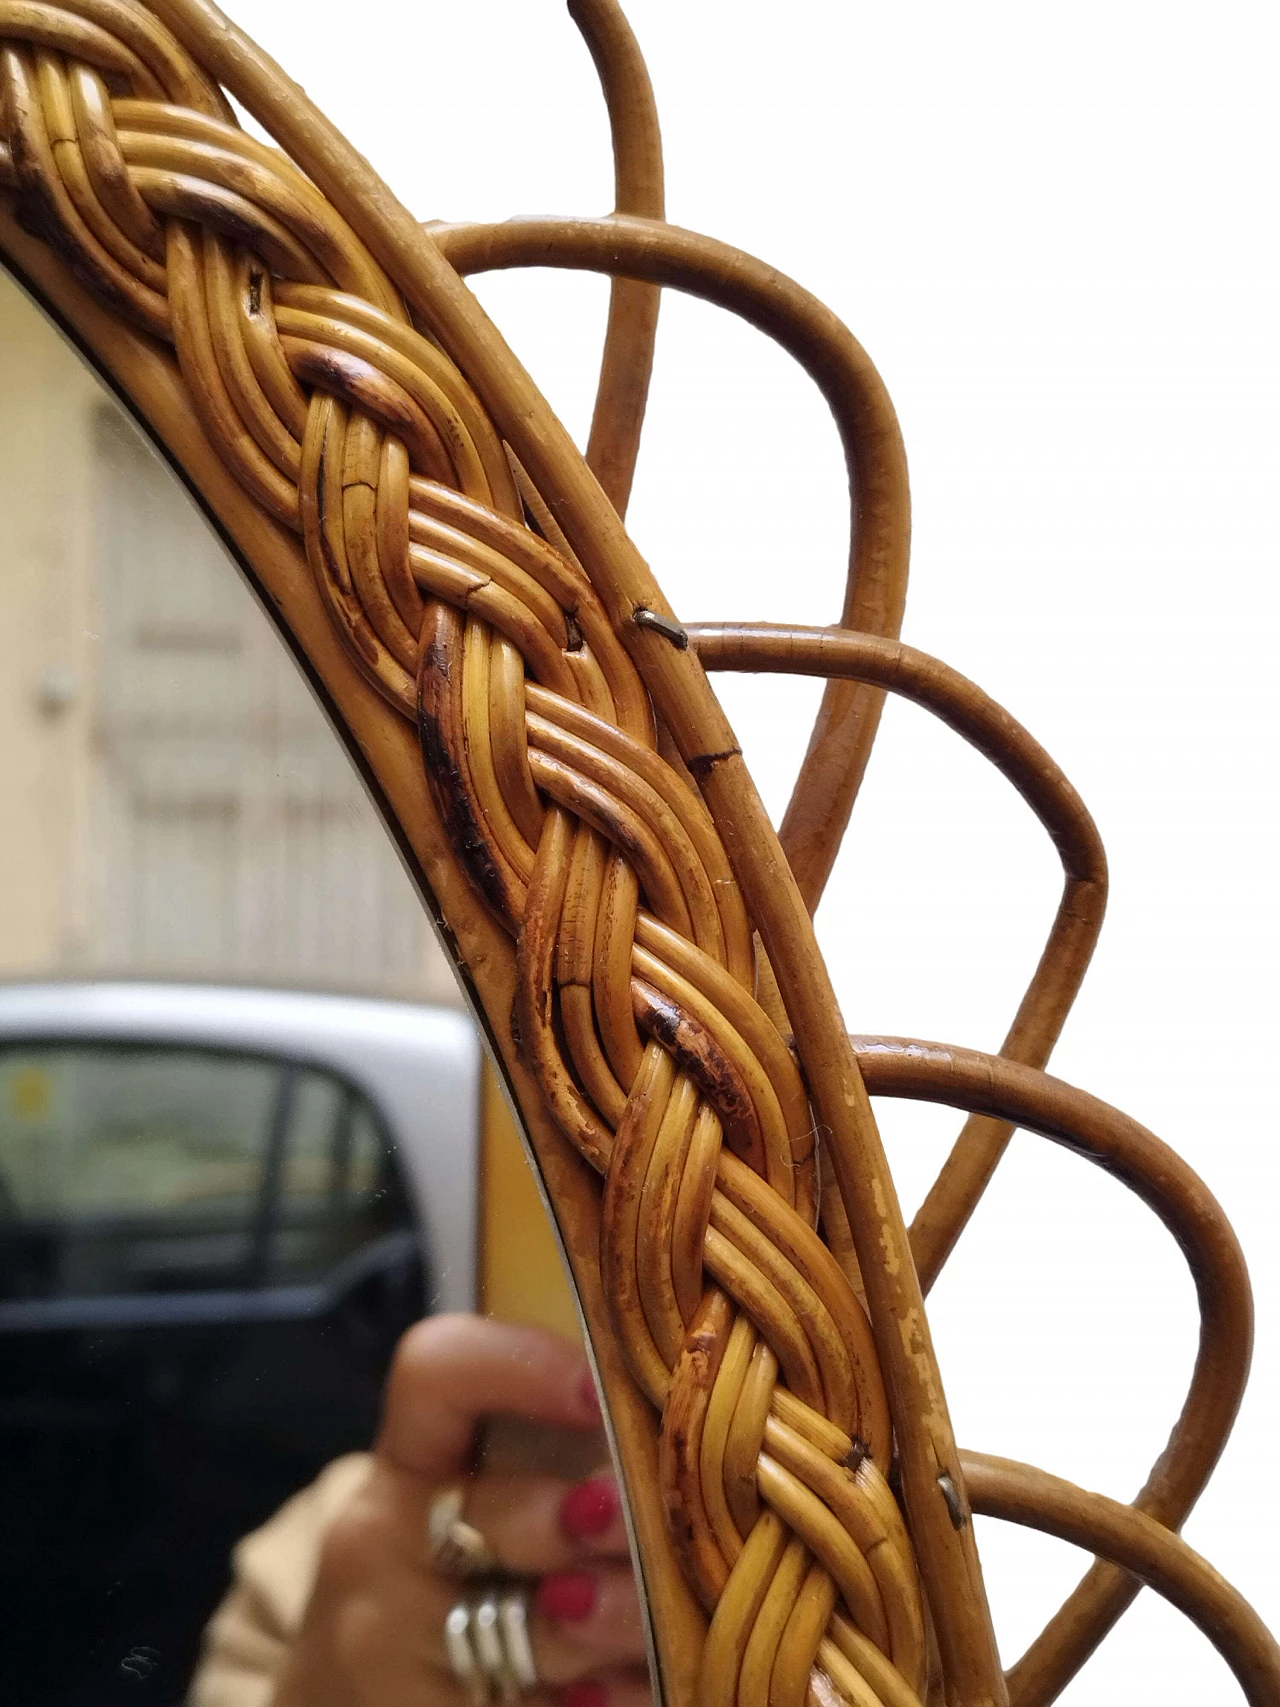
(486, 1640)
(513, 1621)
(462, 1656)
(489, 1645)
(455, 1547)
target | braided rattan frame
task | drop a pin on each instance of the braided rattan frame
(541, 734)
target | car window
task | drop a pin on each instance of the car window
(86, 1129)
(136, 1170)
(340, 1190)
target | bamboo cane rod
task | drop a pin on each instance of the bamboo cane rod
(1006, 1090)
(1065, 959)
(627, 360)
(1133, 1542)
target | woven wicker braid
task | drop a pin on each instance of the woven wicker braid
(636, 938)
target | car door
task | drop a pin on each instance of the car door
(206, 1258)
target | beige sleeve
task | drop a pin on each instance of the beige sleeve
(273, 1570)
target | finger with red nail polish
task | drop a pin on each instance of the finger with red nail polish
(540, 1524)
(567, 1596)
(591, 1509)
(586, 1692)
(609, 1688)
(585, 1622)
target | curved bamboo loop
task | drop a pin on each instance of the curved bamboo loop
(589, 789)
(988, 728)
(880, 505)
(627, 360)
(1131, 1541)
(1005, 1090)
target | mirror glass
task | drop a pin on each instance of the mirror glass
(240, 1128)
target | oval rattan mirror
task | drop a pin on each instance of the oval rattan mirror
(636, 937)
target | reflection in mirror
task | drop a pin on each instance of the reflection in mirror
(240, 1110)
(184, 809)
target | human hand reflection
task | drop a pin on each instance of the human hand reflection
(373, 1632)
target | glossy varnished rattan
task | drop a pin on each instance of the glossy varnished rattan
(637, 939)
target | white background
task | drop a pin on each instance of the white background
(1054, 230)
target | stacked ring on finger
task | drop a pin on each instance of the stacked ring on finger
(486, 1638)
(486, 1635)
(456, 1548)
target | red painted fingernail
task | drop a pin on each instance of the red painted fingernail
(590, 1508)
(589, 1396)
(585, 1693)
(568, 1596)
